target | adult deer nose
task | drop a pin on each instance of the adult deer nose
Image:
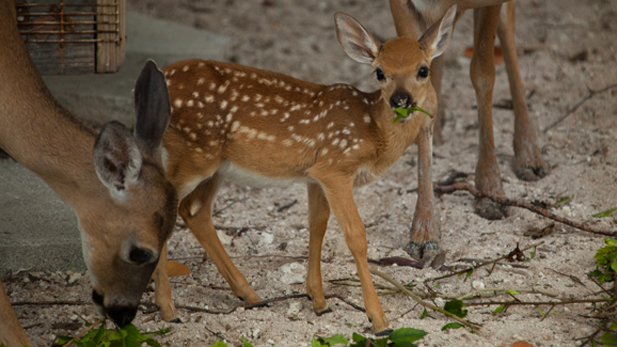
(400, 99)
(121, 315)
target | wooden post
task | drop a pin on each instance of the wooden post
(110, 55)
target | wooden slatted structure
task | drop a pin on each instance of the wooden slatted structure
(73, 36)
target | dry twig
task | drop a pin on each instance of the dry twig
(516, 203)
(590, 95)
(407, 292)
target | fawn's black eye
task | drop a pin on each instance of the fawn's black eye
(139, 256)
(380, 75)
(423, 72)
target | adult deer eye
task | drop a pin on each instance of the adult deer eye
(139, 256)
(423, 72)
(380, 75)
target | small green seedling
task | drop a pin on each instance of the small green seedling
(128, 336)
(406, 112)
(606, 257)
(604, 214)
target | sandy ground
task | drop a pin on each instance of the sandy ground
(297, 38)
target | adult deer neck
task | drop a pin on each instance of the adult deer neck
(34, 128)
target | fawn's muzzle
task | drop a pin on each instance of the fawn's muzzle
(401, 99)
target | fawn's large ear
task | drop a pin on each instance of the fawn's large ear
(117, 159)
(437, 37)
(152, 108)
(356, 41)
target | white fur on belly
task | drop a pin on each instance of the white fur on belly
(241, 176)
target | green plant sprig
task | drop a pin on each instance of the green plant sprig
(406, 112)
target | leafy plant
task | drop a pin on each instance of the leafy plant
(398, 338)
(406, 112)
(128, 336)
(606, 257)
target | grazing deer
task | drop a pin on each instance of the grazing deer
(114, 182)
(413, 15)
(259, 127)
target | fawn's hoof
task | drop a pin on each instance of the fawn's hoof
(322, 312)
(428, 249)
(176, 320)
(491, 210)
(385, 332)
(530, 173)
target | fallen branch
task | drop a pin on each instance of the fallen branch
(590, 95)
(494, 261)
(536, 303)
(516, 203)
(489, 292)
(407, 292)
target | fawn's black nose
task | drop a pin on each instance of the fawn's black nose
(121, 315)
(401, 99)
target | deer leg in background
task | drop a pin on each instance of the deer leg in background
(488, 177)
(196, 210)
(162, 290)
(425, 232)
(528, 165)
(440, 118)
(319, 213)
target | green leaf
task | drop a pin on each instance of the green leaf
(245, 343)
(610, 242)
(456, 308)
(512, 292)
(332, 340)
(406, 335)
(406, 112)
(220, 344)
(499, 308)
(532, 254)
(453, 325)
(608, 339)
(562, 201)
(539, 310)
(62, 339)
(613, 326)
(424, 314)
(469, 273)
(604, 213)
(152, 342)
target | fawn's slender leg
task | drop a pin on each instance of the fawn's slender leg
(425, 232)
(319, 213)
(488, 177)
(162, 290)
(11, 332)
(340, 197)
(529, 165)
(440, 118)
(196, 210)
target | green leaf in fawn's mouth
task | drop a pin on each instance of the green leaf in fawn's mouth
(406, 112)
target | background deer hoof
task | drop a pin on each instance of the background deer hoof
(428, 249)
(531, 173)
(491, 210)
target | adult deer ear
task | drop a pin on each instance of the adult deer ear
(117, 159)
(437, 37)
(356, 41)
(152, 109)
